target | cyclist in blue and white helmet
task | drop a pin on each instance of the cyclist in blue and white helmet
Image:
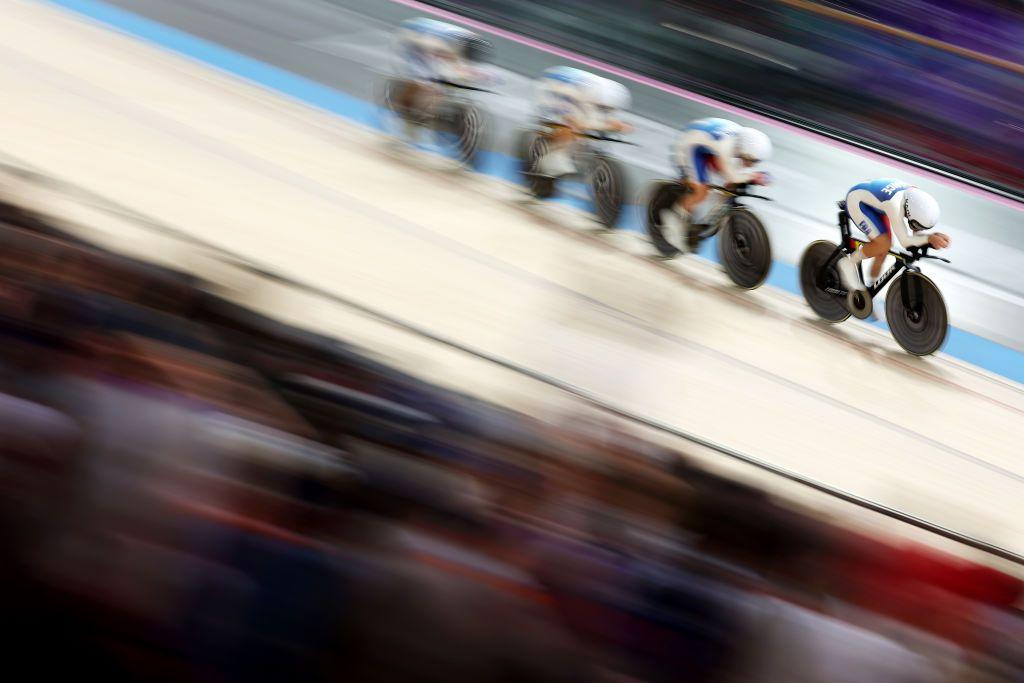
(430, 52)
(882, 208)
(714, 147)
(571, 102)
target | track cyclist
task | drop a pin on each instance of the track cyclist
(430, 53)
(571, 103)
(713, 146)
(881, 208)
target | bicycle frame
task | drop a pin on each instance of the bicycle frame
(718, 215)
(586, 148)
(730, 202)
(585, 152)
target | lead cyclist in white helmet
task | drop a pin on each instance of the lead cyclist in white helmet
(881, 208)
(709, 147)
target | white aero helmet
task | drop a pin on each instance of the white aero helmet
(568, 75)
(753, 145)
(614, 95)
(920, 209)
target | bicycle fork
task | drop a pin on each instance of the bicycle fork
(912, 295)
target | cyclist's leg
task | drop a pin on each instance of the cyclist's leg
(416, 69)
(698, 175)
(675, 221)
(877, 249)
(415, 99)
(874, 224)
(557, 161)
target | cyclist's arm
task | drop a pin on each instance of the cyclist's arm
(617, 125)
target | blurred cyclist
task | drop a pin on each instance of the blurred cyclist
(883, 207)
(717, 146)
(571, 103)
(429, 54)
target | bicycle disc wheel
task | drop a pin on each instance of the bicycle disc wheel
(745, 250)
(814, 280)
(917, 314)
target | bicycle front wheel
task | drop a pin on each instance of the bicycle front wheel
(744, 249)
(917, 314)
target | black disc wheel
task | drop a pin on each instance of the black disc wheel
(460, 128)
(916, 313)
(744, 249)
(541, 187)
(815, 279)
(523, 145)
(607, 186)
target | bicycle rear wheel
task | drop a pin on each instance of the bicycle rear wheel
(541, 187)
(814, 279)
(459, 128)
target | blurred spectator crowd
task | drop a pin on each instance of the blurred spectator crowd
(819, 63)
(191, 491)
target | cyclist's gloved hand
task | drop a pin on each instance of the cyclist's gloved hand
(761, 178)
(938, 240)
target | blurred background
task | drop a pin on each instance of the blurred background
(193, 488)
(941, 81)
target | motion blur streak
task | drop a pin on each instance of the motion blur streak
(208, 474)
(907, 35)
(861, 69)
